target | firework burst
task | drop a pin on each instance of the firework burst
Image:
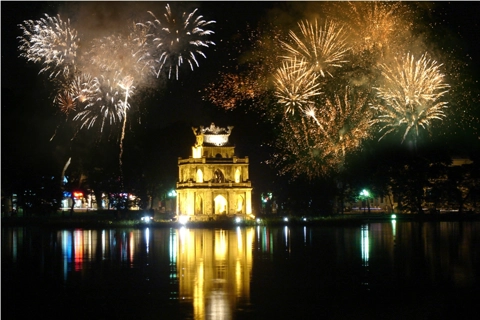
(117, 53)
(51, 42)
(319, 49)
(250, 80)
(104, 104)
(299, 153)
(410, 95)
(295, 87)
(344, 122)
(65, 101)
(338, 126)
(176, 39)
(73, 92)
(375, 25)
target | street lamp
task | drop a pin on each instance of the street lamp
(365, 194)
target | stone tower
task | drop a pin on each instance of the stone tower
(213, 182)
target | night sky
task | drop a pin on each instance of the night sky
(162, 131)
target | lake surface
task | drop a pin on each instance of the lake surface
(384, 270)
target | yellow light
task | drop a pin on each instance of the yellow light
(183, 219)
(218, 139)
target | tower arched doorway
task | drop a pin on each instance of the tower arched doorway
(220, 205)
(240, 204)
(199, 204)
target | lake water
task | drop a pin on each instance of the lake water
(384, 270)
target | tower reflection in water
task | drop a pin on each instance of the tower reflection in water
(213, 270)
(209, 270)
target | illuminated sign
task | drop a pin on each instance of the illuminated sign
(77, 194)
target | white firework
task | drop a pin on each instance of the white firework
(176, 39)
(104, 105)
(51, 42)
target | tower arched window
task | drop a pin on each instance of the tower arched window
(218, 176)
(199, 176)
(238, 175)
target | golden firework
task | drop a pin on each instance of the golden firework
(295, 88)
(319, 49)
(410, 95)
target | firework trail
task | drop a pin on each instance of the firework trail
(319, 49)
(410, 96)
(118, 59)
(126, 83)
(295, 87)
(175, 39)
(52, 42)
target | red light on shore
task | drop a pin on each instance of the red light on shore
(77, 194)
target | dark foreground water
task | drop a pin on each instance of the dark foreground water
(387, 270)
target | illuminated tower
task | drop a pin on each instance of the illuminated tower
(213, 182)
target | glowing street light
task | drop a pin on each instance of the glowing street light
(183, 219)
(365, 195)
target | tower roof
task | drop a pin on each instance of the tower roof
(212, 135)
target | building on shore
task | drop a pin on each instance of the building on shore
(213, 183)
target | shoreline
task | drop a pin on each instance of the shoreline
(108, 221)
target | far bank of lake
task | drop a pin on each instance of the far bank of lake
(111, 218)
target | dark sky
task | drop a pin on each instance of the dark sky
(27, 112)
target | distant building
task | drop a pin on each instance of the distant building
(389, 203)
(213, 182)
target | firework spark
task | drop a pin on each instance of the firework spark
(295, 87)
(250, 80)
(410, 96)
(232, 89)
(175, 39)
(52, 42)
(319, 49)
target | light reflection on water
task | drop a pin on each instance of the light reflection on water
(219, 273)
